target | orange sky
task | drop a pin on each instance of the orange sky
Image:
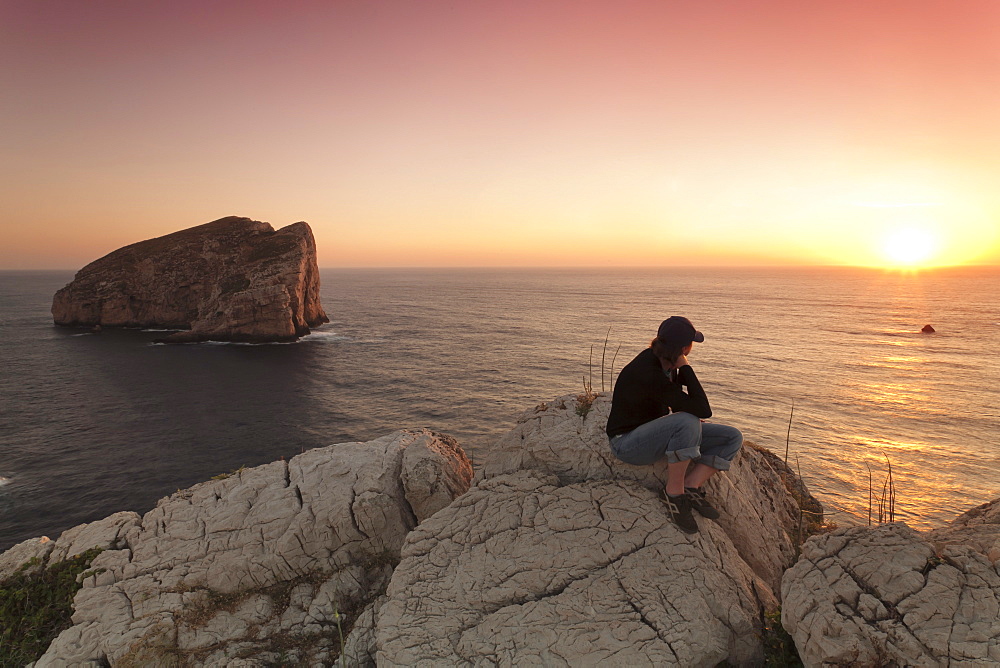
(475, 132)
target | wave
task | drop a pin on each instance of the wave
(224, 343)
(320, 336)
(314, 337)
(325, 336)
(3, 480)
(247, 343)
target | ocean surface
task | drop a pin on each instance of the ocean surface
(91, 424)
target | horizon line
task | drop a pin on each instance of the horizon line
(903, 269)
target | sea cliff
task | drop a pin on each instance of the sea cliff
(392, 553)
(234, 279)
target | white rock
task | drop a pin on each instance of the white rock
(758, 513)
(244, 537)
(430, 476)
(884, 596)
(28, 557)
(523, 571)
(978, 528)
(360, 645)
(106, 534)
(344, 592)
(78, 644)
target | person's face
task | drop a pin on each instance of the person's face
(687, 349)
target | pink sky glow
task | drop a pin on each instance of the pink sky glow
(431, 133)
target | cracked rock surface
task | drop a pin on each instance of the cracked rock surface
(239, 570)
(978, 528)
(889, 595)
(758, 513)
(34, 554)
(522, 570)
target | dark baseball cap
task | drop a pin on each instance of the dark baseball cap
(678, 330)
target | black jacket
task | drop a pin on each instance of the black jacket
(644, 392)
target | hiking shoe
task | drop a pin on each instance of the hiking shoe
(700, 503)
(680, 511)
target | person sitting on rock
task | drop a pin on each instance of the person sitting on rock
(652, 417)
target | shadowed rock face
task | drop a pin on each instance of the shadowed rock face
(233, 279)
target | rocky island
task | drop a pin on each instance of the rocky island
(393, 553)
(234, 279)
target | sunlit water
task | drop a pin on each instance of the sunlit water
(95, 423)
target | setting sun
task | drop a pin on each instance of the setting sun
(909, 246)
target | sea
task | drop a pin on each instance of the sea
(825, 366)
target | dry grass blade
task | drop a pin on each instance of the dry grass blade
(604, 352)
(589, 386)
(798, 472)
(870, 494)
(613, 364)
(886, 502)
(788, 434)
(891, 502)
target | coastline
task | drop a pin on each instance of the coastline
(268, 530)
(142, 421)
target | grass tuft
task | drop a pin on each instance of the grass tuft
(585, 401)
(223, 476)
(885, 504)
(779, 648)
(36, 607)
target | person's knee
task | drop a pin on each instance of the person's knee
(686, 421)
(686, 431)
(725, 441)
(734, 442)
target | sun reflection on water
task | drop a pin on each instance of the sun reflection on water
(897, 343)
(876, 449)
(885, 469)
(913, 398)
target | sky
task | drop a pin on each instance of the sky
(507, 132)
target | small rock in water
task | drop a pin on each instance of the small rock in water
(927, 329)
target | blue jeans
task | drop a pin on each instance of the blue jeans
(679, 437)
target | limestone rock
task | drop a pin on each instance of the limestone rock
(27, 556)
(106, 534)
(978, 528)
(759, 512)
(876, 596)
(360, 645)
(216, 572)
(233, 279)
(523, 571)
(35, 554)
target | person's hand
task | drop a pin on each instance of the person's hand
(680, 361)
